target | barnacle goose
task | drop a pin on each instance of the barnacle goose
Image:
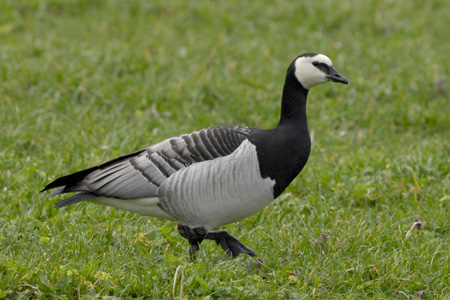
(213, 176)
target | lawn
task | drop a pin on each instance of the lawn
(84, 81)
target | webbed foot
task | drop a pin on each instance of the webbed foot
(232, 246)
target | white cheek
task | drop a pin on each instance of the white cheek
(308, 75)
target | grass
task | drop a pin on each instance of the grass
(83, 81)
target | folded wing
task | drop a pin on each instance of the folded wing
(140, 174)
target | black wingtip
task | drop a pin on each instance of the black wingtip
(78, 176)
(54, 184)
(68, 180)
(44, 189)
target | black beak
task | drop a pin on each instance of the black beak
(336, 77)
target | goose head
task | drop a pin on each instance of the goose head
(313, 68)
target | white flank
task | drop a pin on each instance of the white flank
(307, 73)
(219, 191)
(143, 206)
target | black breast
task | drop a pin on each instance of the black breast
(282, 154)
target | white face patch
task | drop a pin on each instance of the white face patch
(307, 74)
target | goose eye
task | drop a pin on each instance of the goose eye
(315, 63)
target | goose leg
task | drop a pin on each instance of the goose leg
(193, 247)
(194, 235)
(232, 246)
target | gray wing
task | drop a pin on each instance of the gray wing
(139, 174)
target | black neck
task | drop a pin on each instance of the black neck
(284, 150)
(293, 103)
